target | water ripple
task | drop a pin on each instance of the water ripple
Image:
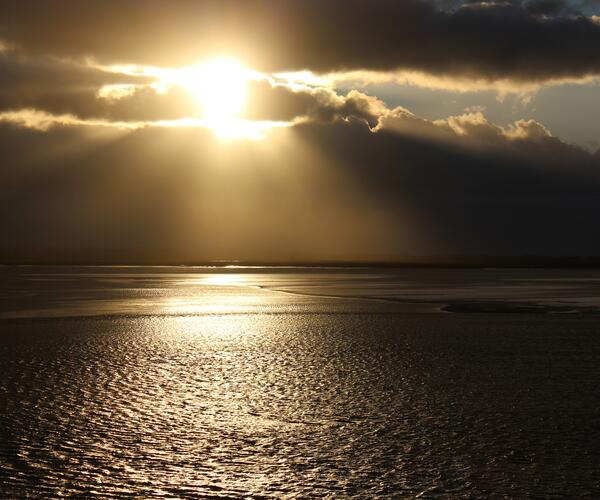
(300, 406)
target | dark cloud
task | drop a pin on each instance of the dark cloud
(278, 102)
(317, 191)
(350, 180)
(549, 7)
(67, 87)
(63, 87)
(491, 40)
(478, 194)
(173, 194)
(535, 7)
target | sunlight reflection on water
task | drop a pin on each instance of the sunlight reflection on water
(68, 292)
(195, 389)
(304, 405)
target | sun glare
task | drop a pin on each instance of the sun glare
(224, 280)
(220, 86)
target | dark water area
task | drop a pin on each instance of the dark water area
(183, 383)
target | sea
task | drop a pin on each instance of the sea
(299, 382)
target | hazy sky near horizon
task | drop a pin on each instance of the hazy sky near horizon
(282, 130)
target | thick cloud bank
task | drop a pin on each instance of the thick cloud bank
(115, 164)
(319, 191)
(519, 40)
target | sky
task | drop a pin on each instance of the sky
(144, 131)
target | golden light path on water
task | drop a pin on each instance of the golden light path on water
(221, 298)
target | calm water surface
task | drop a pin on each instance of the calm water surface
(187, 382)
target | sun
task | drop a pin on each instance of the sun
(220, 87)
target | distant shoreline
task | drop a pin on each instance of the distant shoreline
(459, 262)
